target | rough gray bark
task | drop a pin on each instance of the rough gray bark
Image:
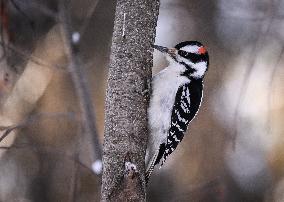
(126, 105)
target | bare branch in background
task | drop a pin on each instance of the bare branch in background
(50, 150)
(88, 16)
(32, 120)
(270, 91)
(258, 44)
(76, 68)
(29, 57)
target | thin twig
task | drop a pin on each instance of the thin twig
(73, 191)
(31, 120)
(270, 90)
(21, 11)
(48, 149)
(251, 64)
(39, 7)
(87, 20)
(8, 131)
(29, 57)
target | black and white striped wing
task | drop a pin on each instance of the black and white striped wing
(187, 102)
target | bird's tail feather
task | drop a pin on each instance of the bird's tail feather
(154, 161)
(150, 167)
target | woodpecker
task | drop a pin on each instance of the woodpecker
(175, 99)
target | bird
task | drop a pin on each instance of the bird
(176, 96)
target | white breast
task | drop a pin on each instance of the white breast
(164, 85)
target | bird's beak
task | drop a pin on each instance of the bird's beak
(161, 48)
(171, 51)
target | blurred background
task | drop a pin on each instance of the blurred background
(234, 149)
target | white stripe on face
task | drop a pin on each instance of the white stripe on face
(191, 49)
(200, 68)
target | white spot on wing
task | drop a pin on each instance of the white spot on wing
(179, 128)
(176, 139)
(180, 118)
(184, 107)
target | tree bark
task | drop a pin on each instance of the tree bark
(126, 104)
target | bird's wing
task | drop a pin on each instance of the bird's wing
(187, 102)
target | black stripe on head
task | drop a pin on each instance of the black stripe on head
(188, 70)
(194, 58)
(188, 43)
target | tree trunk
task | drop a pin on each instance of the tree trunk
(126, 104)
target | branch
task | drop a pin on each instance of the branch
(126, 106)
(88, 16)
(75, 67)
(29, 57)
(31, 120)
(51, 150)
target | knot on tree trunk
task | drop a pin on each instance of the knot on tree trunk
(130, 184)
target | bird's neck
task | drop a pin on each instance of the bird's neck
(188, 70)
(182, 69)
(176, 67)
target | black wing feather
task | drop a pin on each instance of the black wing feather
(187, 102)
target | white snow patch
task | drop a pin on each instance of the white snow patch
(97, 167)
(76, 37)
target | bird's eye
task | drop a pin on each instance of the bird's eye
(193, 57)
(202, 50)
(183, 53)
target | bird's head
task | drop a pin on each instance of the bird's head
(191, 54)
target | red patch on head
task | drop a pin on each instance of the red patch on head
(202, 50)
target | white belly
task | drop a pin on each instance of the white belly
(164, 85)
